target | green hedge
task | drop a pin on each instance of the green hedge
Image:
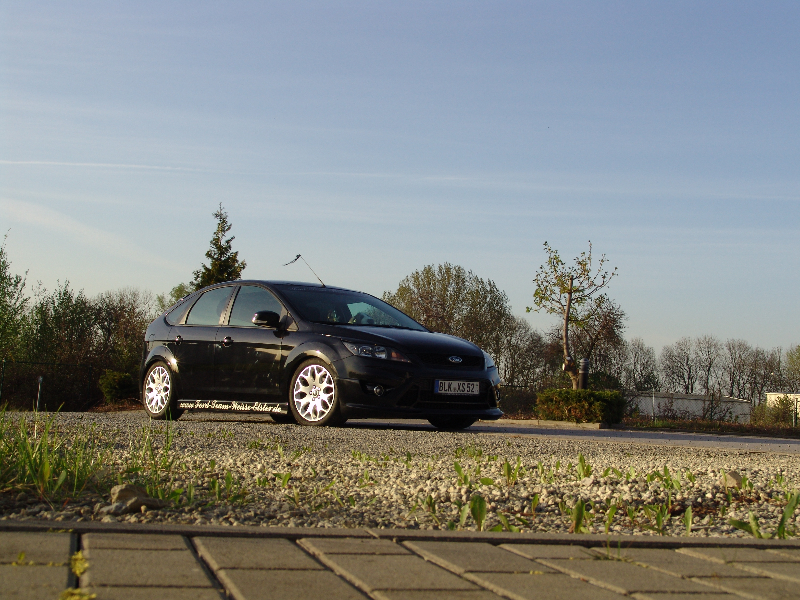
(580, 406)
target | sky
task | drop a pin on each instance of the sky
(379, 137)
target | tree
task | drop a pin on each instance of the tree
(707, 354)
(164, 301)
(793, 367)
(562, 289)
(224, 264)
(640, 371)
(121, 318)
(678, 367)
(449, 299)
(13, 304)
(735, 358)
(597, 332)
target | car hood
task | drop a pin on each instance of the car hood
(408, 340)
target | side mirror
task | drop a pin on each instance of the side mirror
(267, 318)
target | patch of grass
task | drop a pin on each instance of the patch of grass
(34, 457)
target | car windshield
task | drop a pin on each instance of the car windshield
(339, 307)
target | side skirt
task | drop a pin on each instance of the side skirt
(234, 406)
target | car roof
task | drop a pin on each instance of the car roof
(282, 283)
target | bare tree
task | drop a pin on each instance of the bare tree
(522, 361)
(560, 289)
(640, 371)
(736, 354)
(707, 352)
(678, 367)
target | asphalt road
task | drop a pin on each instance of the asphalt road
(523, 429)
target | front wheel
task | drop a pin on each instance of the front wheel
(313, 396)
(158, 395)
(451, 423)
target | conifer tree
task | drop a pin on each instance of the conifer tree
(224, 264)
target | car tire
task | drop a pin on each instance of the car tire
(314, 395)
(451, 423)
(283, 419)
(158, 392)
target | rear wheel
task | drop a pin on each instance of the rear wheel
(313, 397)
(158, 394)
(283, 419)
(451, 423)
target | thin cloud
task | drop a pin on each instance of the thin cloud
(80, 233)
(48, 163)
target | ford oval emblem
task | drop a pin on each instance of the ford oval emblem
(455, 360)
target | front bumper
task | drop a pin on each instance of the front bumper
(409, 390)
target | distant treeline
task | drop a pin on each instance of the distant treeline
(89, 349)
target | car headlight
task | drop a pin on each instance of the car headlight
(488, 360)
(373, 351)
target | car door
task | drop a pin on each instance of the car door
(193, 344)
(247, 356)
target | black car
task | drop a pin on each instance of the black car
(313, 355)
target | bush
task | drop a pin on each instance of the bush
(518, 402)
(117, 386)
(580, 406)
(780, 413)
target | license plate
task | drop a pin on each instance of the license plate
(457, 388)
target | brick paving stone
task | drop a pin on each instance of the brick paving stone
(534, 551)
(790, 571)
(136, 568)
(23, 583)
(41, 548)
(461, 557)
(435, 595)
(676, 563)
(727, 555)
(352, 546)
(149, 593)
(757, 588)
(244, 553)
(711, 595)
(549, 586)
(392, 572)
(623, 577)
(133, 541)
(251, 584)
(793, 553)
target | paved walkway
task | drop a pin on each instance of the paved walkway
(124, 561)
(555, 429)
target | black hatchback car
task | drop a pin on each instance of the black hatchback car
(313, 355)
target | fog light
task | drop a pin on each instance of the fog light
(378, 390)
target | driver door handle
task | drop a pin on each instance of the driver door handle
(227, 341)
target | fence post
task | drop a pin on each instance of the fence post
(2, 378)
(39, 394)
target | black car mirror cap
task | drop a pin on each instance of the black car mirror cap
(267, 318)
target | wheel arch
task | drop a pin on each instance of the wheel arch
(302, 353)
(163, 354)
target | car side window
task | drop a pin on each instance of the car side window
(250, 300)
(208, 309)
(176, 314)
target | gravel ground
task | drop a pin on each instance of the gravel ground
(254, 472)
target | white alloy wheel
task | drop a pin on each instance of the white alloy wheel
(314, 394)
(157, 389)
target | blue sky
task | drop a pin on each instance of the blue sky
(376, 137)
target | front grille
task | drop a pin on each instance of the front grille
(443, 360)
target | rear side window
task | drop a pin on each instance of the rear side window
(208, 309)
(250, 300)
(176, 314)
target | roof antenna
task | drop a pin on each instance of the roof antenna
(308, 265)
